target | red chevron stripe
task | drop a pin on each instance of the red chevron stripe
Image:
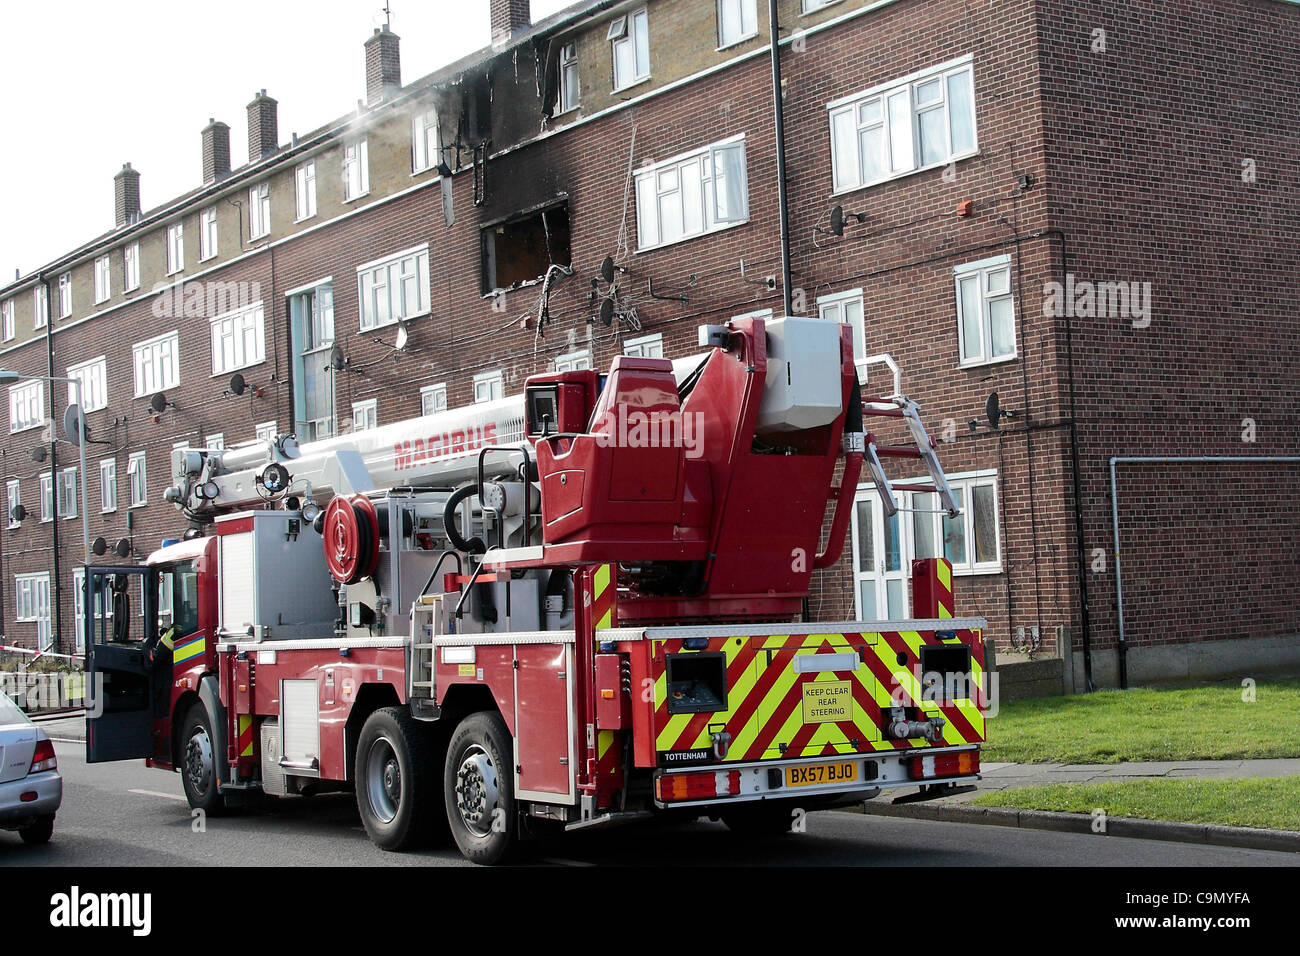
(741, 716)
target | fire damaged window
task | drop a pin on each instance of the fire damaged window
(521, 250)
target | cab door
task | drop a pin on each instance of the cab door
(124, 696)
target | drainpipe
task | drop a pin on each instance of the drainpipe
(1122, 648)
(57, 597)
(779, 112)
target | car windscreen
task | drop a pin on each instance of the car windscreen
(9, 712)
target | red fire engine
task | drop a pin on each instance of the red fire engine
(563, 609)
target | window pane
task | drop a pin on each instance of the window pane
(928, 92)
(692, 199)
(624, 63)
(870, 113)
(895, 597)
(901, 152)
(892, 545)
(844, 154)
(1002, 325)
(934, 138)
(969, 299)
(954, 533)
(999, 280)
(984, 509)
(961, 112)
(872, 145)
(642, 45)
(729, 190)
(867, 590)
(923, 538)
(646, 221)
(866, 552)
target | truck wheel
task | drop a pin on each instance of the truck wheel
(396, 779)
(38, 832)
(198, 764)
(478, 785)
(760, 819)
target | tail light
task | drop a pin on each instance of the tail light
(960, 764)
(43, 759)
(697, 786)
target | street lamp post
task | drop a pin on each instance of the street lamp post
(10, 377)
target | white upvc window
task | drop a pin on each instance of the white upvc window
(573, 361)
(394, 288)
(570, 82)
(489, 386)
(131, 267)
(238, 339)
(365, 415)
(175, 248)
(267, 431)
(433, 399)
(108, 485)
(40, 306)
(846, 307)
(26, 406)
(47, 497)
(692, 194)
(304, 190)
(646, 346)
(986, 314)
(103, 280)
(13, 498)
(424, 141)
(7, 319)
(157, 364)
(259, 211)
(207, 233)
(812, 6)
(630, 36)
(215, 442)
(356, 170)
(138, 478)
(93, 376)
(65, 295)
(737, 20)
(919, 122)
(67, 495)
(31, 597)
(971, 541)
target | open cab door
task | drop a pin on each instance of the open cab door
(122, 663)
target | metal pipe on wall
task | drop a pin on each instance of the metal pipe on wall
(1122, 648)
(778, 107)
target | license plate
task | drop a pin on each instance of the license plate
(817, 773)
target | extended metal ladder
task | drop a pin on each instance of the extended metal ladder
(900, 406)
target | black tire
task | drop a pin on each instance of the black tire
(38, 832)
(478, 786)
(396, 780)
(198, 763)
(760, 819)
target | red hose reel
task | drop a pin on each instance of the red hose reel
(351, 536)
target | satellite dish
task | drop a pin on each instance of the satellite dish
(837, 221)
(99, 547)
(402, 336)
(336, 359)
(39, 453)
(18, 513)
(159, 402)
(122, 548)
(993, 410)
(607, 312)
(74, 425)
(237, 384)
(607, 269)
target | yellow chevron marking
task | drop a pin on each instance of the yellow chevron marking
(944, 573)
(604, 740)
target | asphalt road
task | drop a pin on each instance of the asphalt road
(125, 814)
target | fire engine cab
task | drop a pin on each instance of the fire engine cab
(569, 608)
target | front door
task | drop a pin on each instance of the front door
(121, 646)
(878, 561)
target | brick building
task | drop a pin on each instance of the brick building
(1085, 206)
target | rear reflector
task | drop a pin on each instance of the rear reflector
(961, 764)
(43, 759)
(697, 786)
(29, 796)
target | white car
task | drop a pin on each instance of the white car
(31, 789)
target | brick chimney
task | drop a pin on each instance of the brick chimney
(216, 151)
(126, 196)
(383, 66)
(509, 19)
(263, 134)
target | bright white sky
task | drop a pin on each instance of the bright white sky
(92, 84)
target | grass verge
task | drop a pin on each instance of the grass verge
(1271, 802)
